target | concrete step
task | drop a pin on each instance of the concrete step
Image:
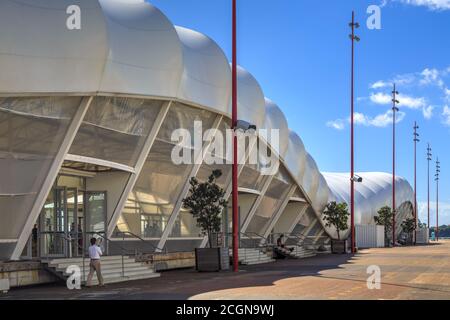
(258, 262)
(105, 264)
(118, 274)
(80, 259)
(111, 267)
(118, 279)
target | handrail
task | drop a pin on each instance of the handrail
(156, 248)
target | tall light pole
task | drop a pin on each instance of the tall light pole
(394, 110)
(416, 139)
(438, 170)
(235, 142)
(428, 182)
(353, 38)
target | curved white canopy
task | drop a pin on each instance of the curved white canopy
(374, 192)
(129, 47)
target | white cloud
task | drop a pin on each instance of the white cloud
(447, 94)
(430, 4)
(338, 124)
(446, 115)
(382, 120)
(411, 102)
(431, 76)
(444, 212)
(379, 84)
(379, 121)
(404, 100)
(380, 98)
(427, 112)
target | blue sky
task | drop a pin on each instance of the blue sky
(299, 51)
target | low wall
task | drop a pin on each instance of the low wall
(25, 273)
(169, 261)
(422, 236)
(369, 236)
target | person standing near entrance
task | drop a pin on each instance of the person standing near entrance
(94, 254)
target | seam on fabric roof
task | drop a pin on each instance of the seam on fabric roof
(203, 82)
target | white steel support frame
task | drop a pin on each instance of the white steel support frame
(229, 185)
(256, 204)
(196, 167)
(148, 144)
(308, 230)
(299, 217)
(279, 211)
(318, 236)
(99, 162)
(52, 175)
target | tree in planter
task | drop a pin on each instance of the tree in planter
(384, 218)
(408, 227)
(336, 215)
(206, 202)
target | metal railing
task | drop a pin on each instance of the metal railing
(250, 240)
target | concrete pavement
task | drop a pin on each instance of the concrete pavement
(421, 272)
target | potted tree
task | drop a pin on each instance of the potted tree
(384, 218)
(206, 202)
(408, 227)
(336, 215)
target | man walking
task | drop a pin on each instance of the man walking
(94, 254)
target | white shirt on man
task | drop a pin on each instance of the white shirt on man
(95, 252)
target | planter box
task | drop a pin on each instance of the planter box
(212, 259)
(339, 246)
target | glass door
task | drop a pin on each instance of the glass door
(95, 218)
(72, 222)
(54, 225)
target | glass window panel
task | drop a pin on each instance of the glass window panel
(183, 116)
(153, 198)
(275, 194)
(115, 129)
(251, 178)
(31, 132)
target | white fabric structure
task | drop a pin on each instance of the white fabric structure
(109, 95)
(374, 192)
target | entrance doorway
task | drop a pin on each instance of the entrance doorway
(69, 218)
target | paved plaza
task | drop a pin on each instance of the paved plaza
(421, 272)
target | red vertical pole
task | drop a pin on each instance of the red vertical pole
(437, 210)
(428, 183)
(352, 172)
(394, 108)
(415, 180)
(235, 149)
(438, 169)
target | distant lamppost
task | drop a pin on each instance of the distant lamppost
(438, 170)
(353, 38)
(394, 110)
(428, 181)
(415, 139)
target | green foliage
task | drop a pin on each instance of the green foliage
(444, 231)
(206, 202)
(408, 225)
(336, 215)
(384, 218)
(421, 224)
